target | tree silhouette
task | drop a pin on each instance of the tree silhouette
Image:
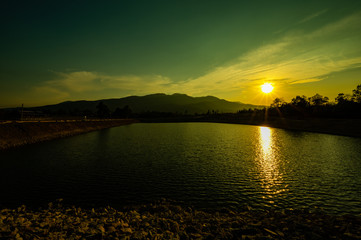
(300, 101)
(318, 100)
(127, 111)
(357, 94)
(103, 110)
(124, 112)
(343, 98)
(278, 102)
(87, 113)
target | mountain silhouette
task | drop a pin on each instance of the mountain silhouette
(160, 102)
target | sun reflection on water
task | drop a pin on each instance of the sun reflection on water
(270, 175)
(266, 141)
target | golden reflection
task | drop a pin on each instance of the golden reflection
(268, 164)
(267, 157)
(265, 134)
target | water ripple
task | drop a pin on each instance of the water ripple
(204, 164)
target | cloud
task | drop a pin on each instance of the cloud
(296, 58)
(74, 85)
(76, 81)
(36, 96)
(47, 92)
(310, 17)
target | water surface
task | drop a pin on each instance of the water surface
(209, 165)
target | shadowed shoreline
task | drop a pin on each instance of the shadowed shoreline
(342, 127)
(14, 134)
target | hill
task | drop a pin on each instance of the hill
(175, 103)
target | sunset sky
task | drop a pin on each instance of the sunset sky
(54, 51)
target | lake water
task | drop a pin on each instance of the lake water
(208, 165)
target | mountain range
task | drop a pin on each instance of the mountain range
(175, 103)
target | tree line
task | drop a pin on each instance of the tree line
(102, 111)
(345, 106)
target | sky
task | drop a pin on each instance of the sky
(55, 51)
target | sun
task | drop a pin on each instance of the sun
(267, 88)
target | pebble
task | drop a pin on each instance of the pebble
(166, 220)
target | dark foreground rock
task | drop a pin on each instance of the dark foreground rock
(164, 220)
(21, 133)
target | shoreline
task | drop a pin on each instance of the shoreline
(333, 126)
(168, 220)
(340, 127)
(15, 134)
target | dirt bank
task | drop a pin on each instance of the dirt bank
(20, 133)
(166, 220)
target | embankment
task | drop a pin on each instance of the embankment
(20, 133)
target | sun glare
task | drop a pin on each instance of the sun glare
(267, 88)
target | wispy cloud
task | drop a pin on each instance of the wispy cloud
(296, 58)
(315, 15)
(82, 83)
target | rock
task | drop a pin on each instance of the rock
(163, 220)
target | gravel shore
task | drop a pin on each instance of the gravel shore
(166, 220)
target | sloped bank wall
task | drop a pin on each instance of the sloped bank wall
(20, 133)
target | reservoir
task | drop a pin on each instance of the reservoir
(207, 165)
